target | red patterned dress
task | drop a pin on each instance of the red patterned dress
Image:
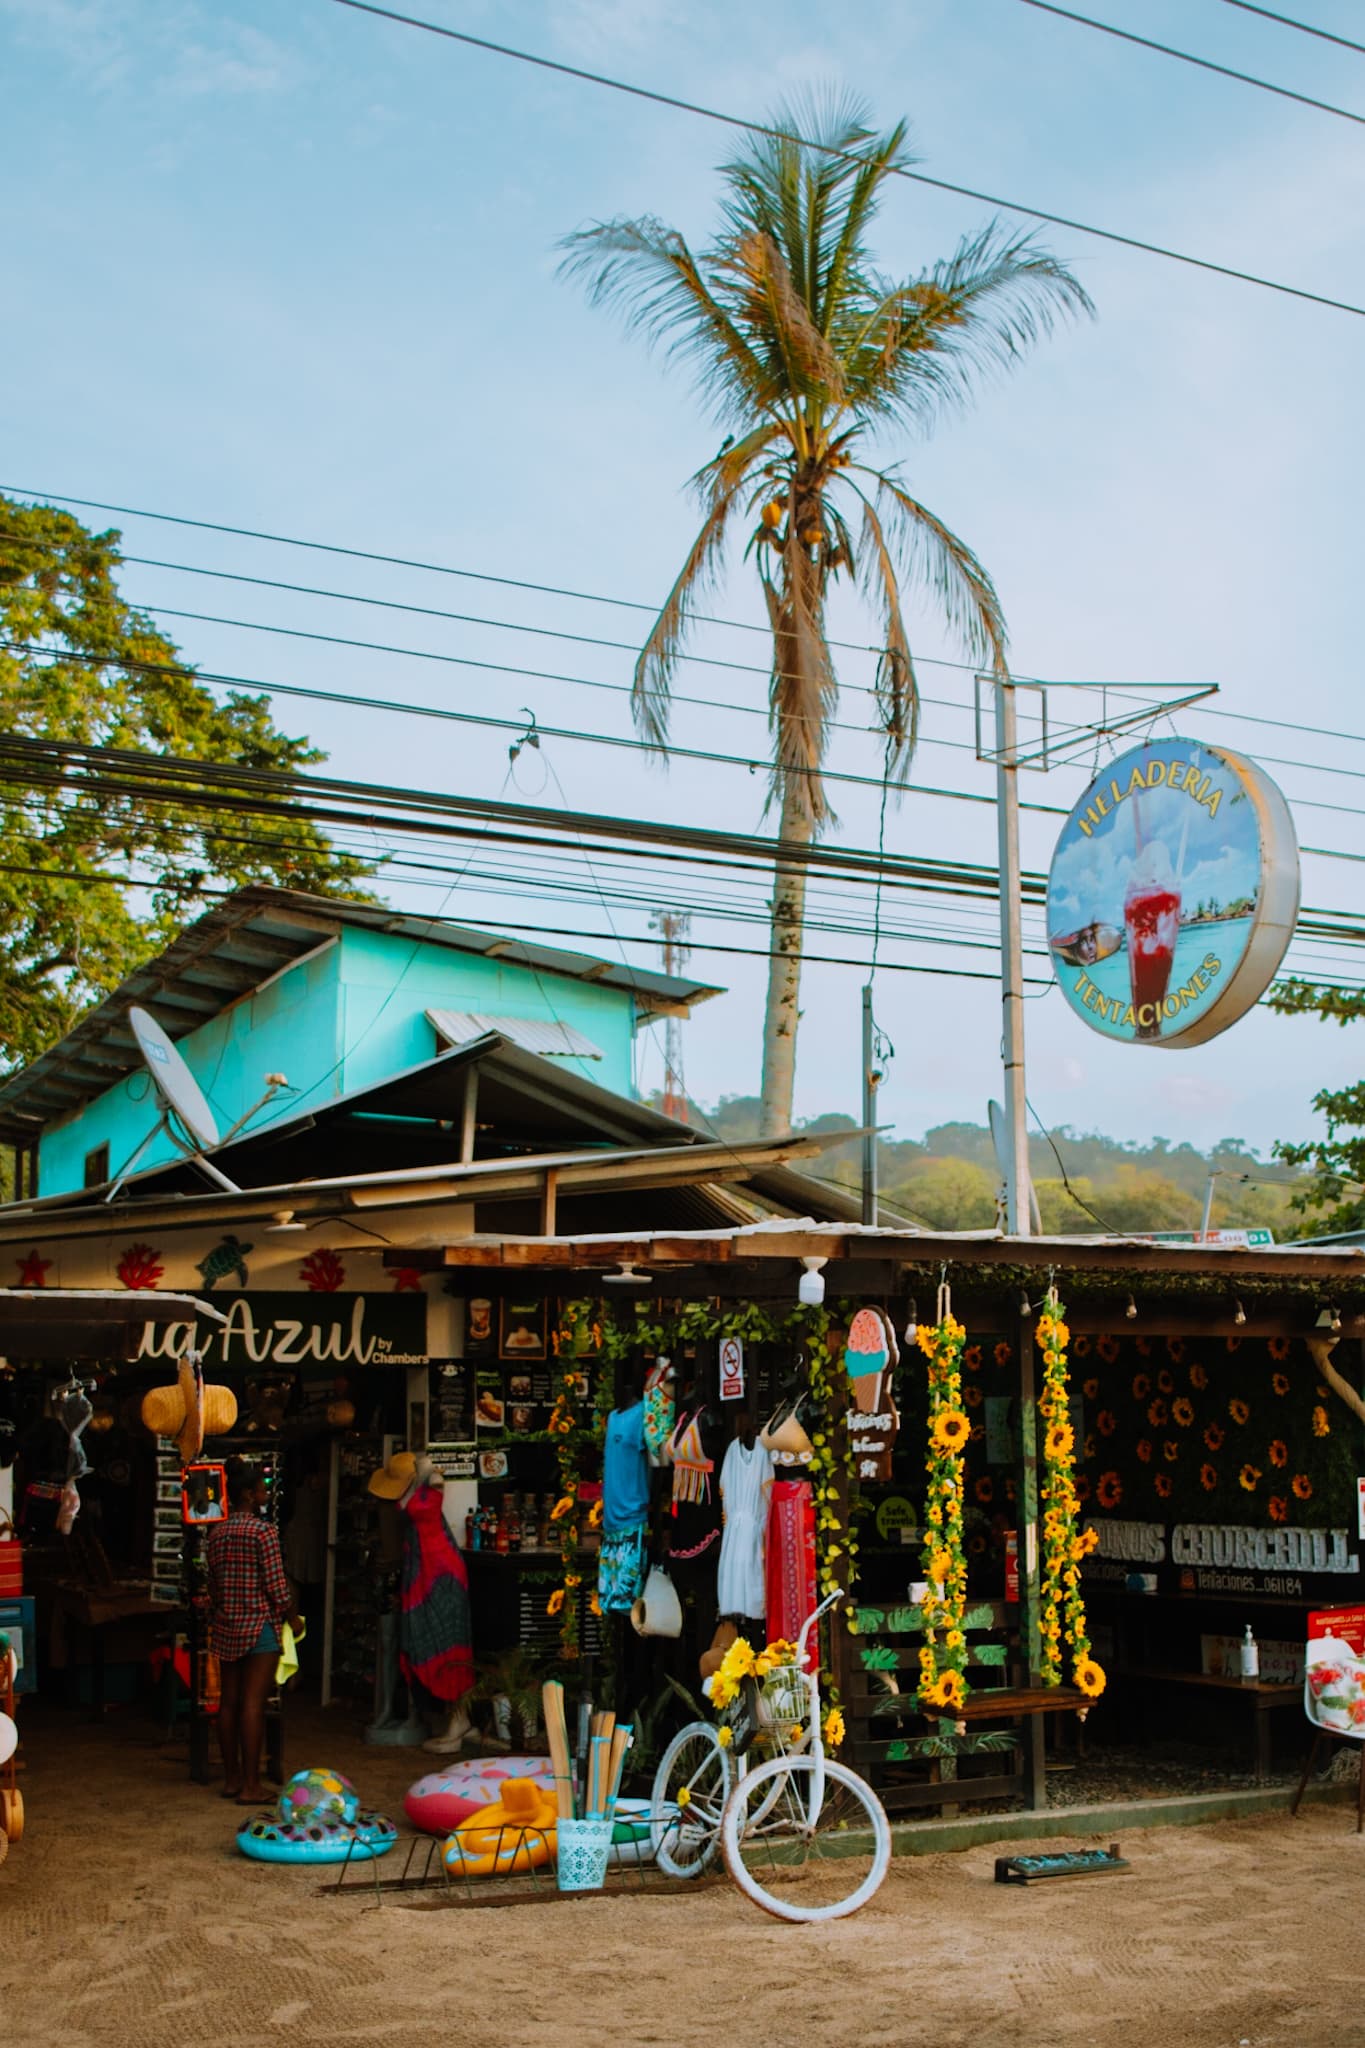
(435, 1634)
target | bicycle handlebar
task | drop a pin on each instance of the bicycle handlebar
(831, 1600)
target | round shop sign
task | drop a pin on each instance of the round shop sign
(1173, 893)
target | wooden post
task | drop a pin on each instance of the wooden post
(469, 1105)
(549, 1190)
(1030, 1600)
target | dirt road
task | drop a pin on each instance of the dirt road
(127, 1917)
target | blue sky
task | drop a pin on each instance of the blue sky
(295, 269)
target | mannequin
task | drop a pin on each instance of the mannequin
(625, 1497)
(428, 1637)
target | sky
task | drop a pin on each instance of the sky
(295, 270)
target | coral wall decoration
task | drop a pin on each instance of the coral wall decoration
(32, 1270)
(407, 1279)
(140, 1268)
(323, 1272)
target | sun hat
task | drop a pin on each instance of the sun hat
(392, 1481)
(189, 1411)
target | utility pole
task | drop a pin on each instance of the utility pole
(1018, 1217)
(673, 926)
(871, 1078)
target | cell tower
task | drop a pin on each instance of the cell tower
(673, 926)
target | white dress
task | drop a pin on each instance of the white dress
(746, 1481)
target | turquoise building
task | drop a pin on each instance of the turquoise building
(336, 997)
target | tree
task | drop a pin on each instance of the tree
(1335, 1196)
(79, 664)
(947, 1194)
(807, 351)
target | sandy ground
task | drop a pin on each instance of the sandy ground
(127, 1916)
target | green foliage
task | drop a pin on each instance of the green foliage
(947, 1194)
(80, 664)
(1335, 1196)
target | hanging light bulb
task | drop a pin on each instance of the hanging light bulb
(1239, 1314)
(1025, 1305)
(1131, 1310)
(912, 1323)
(811, 1288)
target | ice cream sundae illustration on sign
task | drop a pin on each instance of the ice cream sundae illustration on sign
(1173, 893)
(871, 1355)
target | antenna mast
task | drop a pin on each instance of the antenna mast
(674, 926)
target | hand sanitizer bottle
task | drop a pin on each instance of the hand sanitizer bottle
(1251, 1658)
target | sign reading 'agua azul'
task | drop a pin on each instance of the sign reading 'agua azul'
(1173, 893)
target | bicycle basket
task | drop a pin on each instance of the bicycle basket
(783, 1698)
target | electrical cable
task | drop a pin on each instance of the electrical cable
(1107, 1228)
(1305, 28)
(663, 99)
(1124, 35)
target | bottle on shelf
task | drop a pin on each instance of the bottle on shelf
(469, 1542)
(1251, 1658)
(502, 1529)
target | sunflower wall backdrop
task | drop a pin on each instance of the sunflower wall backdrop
(1211, 1430)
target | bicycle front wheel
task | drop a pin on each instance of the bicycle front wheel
(691, 1787)
(806, 1840)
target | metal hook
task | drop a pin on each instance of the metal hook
(530, 738)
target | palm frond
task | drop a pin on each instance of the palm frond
(805, 366)
(645, 271)
(897, 685)
(947, 567)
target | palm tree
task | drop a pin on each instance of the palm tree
(807, 352)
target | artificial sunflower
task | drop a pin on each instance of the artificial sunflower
(1199, 1378)
(1182, 1411)
(1003, 1352)
(1279, 1349)
(1059, 1441)
(683, 1796)
(1321, 1423)
(1301, 1486)
(1279, 1453)
(1091, 1389)
(1108, 1348)
(595, 1604)
(978, 1433)
(1165, 1382)
(1142, 1386)
(1208, 1477)
(1249, 1478)
(976, 1546)
(1106, 1422)
(1109, 1492)
(1144, 1449)
(1163, 1485)
(725, 1735)
(972, 1396)
(1089, 1447)
(1280, 1382)
(555, 1601)
(1170, 1450)
(950, 1690)
(1081, 1347)
(595, 1515)
(1279, 1508)
(1175, 1348)
(1009, 1489)
(1144, 1346)
(1090, 1677)
(1214, 1436)
(1083, 1488)
(834, 1728)
(1239, 1410)
(951, 1430)
(1156, 1413)
(563, 1506)
(984, 1489)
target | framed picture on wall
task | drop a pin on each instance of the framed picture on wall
(521, 1329)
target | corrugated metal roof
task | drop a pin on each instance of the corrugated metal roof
(253, 934)
(552, 1040)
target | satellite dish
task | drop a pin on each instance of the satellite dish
(1000, 1142)
(179, 1092)
(185, 1117)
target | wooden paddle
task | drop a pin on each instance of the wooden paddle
(552, 1702)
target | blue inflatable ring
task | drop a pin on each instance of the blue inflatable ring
(316, 1838)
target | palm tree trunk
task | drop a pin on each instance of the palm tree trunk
(784, 971)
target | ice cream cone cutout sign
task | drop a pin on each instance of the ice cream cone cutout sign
(870, 1357)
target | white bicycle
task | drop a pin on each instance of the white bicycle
(802, 1836)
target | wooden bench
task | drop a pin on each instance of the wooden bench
(1260, 1698)
(879, 1698)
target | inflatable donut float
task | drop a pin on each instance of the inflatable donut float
(516, 1833)
(437, 1804)
(271, 1840)
(317, 1819)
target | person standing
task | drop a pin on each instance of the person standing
(250, 1601)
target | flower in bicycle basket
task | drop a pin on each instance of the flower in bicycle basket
(725, 1736)
(796, 1735)
(834, 1728)
(951, 1430)
(738, 1663)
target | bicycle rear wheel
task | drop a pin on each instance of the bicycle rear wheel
(691, 1787)
(799, 1860)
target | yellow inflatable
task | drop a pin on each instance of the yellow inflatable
(516, 1833)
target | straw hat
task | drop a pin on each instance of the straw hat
(189, 1411)
(392, 1481)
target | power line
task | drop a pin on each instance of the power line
(1305, 28)
(1124, 35)
(663, 99)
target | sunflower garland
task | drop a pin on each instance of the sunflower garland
(943, 1656)
(1062, 1615)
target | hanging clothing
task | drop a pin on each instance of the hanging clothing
(695, 1446)
(625, 1469)
(435, 1636)
(621, 1569)
(659, 1408)
(790, 1565)
(746, 1484)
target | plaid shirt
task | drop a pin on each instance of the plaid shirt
(247, 1584)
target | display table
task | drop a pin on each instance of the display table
(83, 1616)
(1257, 1700)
